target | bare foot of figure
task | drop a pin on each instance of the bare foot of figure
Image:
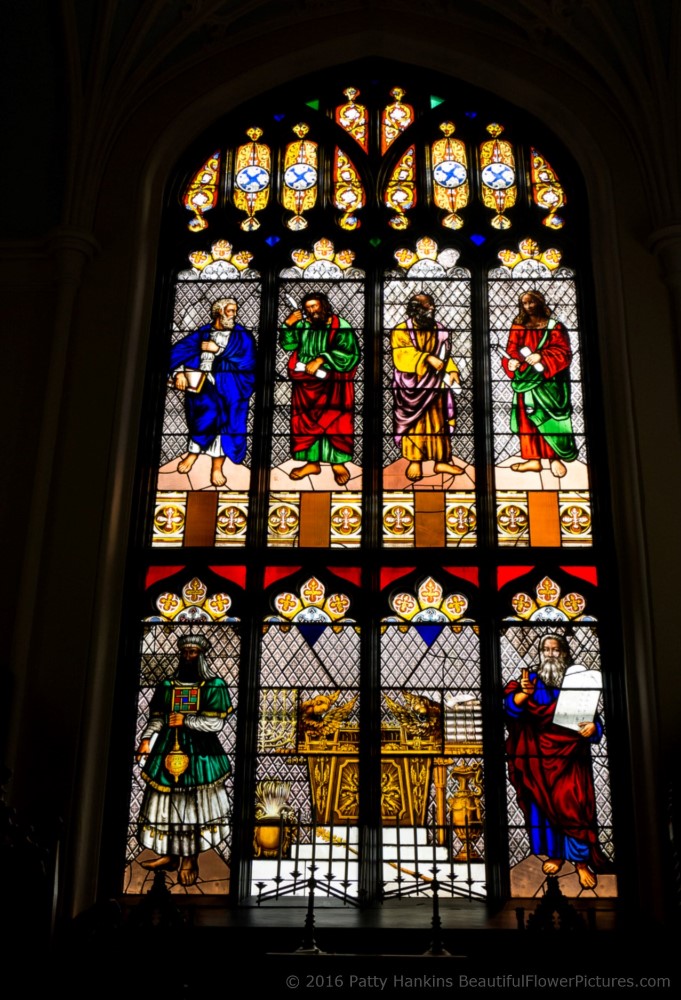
(309, 469)
(187, 463)
(552, 866)
(217, 476)
(534, 465)
(451, 470)
(340, 474)
(586, 877)
(165, 863)
(414, 471)
(557, 468)
(189, 870)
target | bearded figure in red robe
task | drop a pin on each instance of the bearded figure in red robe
(550, 769)
(537, 359)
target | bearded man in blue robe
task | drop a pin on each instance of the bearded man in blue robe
(215, 367)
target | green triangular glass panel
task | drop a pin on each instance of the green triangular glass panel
(313, 104)
(375, 241)
(434, 101)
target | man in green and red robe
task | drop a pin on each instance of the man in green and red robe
(324, 356)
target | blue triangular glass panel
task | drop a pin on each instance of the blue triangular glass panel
(429, 633)
(311, 633)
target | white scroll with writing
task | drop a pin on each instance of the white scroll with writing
(578, 698)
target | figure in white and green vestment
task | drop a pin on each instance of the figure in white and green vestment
(185, 806)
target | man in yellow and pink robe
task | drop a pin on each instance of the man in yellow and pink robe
(423, 377)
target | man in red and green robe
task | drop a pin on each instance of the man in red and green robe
(538, 356)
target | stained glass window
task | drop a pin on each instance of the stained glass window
(353, 117)
(547, 190)
(316, 477)
(541, 461)
(396, 118)
(372, 370)
(299, 191)
(206, 439)
(348, 193)
(428, 474)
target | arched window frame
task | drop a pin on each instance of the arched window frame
(487, 557)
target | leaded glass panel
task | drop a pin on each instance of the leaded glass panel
(498, 176)
(431, 744)
(397, 117)
(428, 473)
(307, 769)
(252, 178)
(202, 192)
(206, 438)
(558, 793)
(316, 441)
(181, 802)
(540, 453)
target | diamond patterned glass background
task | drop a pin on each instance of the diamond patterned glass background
(452, 661)
(288, 659)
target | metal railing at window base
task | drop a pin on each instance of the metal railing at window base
(325, 860)
(304, 857)
(434, 858)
